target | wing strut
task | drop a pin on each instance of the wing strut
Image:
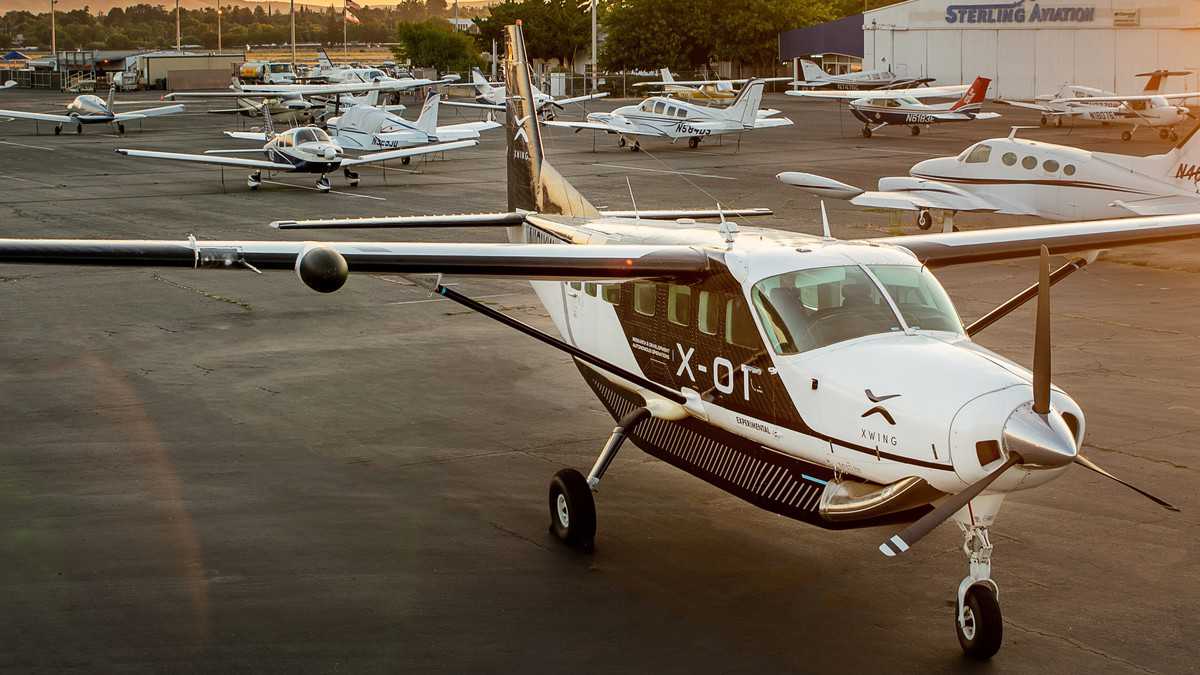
(1023, 297)
(665, 392)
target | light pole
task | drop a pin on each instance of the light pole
(595, 51)
(176, 25)
(53, 36)
(218, 28)
(292, 7)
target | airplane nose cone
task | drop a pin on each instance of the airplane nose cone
(1042, 441)
(330, 152)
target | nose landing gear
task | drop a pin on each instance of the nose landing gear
(323, 183)
(977, 618)
(351, 176)
(254, 180)
(58, 130)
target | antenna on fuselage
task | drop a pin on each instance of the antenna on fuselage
(727, 229)
(825, 223)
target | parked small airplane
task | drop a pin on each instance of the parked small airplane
(328, 71)
(299, 110)
(298, 150)
(816, 78)
(667, 118)
(365, 127)
(877, 109)
(827, 381)
(299, 92)
(91, 109)
(492, 96)
(8, 84)
(695, 90)
(1149, 109)
(1016, 176)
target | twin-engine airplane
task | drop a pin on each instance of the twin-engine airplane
(816, 78)
(91, 109)
(1149, 109)
(298, 150)
(827, 381)
(878, 108)
(1016, 176)
(694, 90)
(365, 127)
(667, 118)
(494, 97)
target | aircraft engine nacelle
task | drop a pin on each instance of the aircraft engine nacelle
(322, 269)
(819, 185)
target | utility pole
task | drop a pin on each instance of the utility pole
(176, 25)
(292, 5)
(218, 28)
(596, 51)
(53, 36)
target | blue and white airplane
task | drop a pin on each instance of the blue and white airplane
(91, 109)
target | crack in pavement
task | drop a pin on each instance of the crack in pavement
(199, 291)
(1154, 460)
(1081, 646)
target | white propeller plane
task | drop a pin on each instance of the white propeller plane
(667, 118)
(877, 109)
(329, 71)
(8, 84)
(1148, 109)
(493, 97)
(365, 127)
(91, 109)
(816, 78)
(299, 150)
(693, 90)
(827, 381)
(1017, 176)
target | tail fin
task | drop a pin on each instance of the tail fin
(533, 185)
(480, 82)
(812, 72)
(744, 108)
(323, 59)
(373, 98)
(428, 119)
(666, 75)
(972, 99)
(1184, 165)
(112, 95)
(268, 120)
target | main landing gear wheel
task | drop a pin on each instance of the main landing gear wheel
(78, 129)
(621, 142)
(351, 177)
(637, 146)
(405, 161)
(254, 180)
(120, 129)
(866, 132)
(924, 219)
(572, 510)
(1164, 133)
(1042, 122)
(916, 131)
(1125, 135)
(981, 628)
(1058, 121)
(323, 184)
(58, 130)
(694, 142)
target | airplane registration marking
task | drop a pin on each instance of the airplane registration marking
(678, 173)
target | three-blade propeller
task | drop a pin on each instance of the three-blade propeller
(901, 542)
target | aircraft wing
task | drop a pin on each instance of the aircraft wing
(957, 248)
(409, 152)
(330, 89)
(41, 117)
(855, 94)
(593, 126)
(560, 102)
(1046, 110)
(1126, 99)
(952, 116)
(149, 112)
(208, 159)
(231, 93)
(903, 193)
(469, 104)
(521, 261)
(1161, 206)
(690, 83)
(248, 136)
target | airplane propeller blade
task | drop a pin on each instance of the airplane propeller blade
(1089, 464)
(899, 543)
(1041, 348)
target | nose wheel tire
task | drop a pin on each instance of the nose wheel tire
(120, 129)
(1058, 121)
(572, 510)
(78, 129)
(57, 130)
(405, 161)
(1125, 135)
(916, 131)
(351, 177)
(1042, 122)
(924, 219)
(621, 142)
(254, 180)
(1164, 133)
(981, 628)
(323, 184)
(866, 132)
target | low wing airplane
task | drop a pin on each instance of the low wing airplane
(328, 71)
(1149, 109)
(878, 108)
(1016, 176)
(667, 118)
(827, 381)
(366, 127)
(8, 84)
(493, 96)
(91, 109)
(695, 90)
(298, 150)
(816, 78)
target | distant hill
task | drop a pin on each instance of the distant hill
(102, 6)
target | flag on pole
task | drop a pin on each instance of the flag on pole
(351, 4)
(351, 18)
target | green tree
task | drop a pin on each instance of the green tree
(435, 44)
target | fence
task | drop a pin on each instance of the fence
(33, 79)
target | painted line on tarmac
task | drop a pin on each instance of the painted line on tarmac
(677, 173)
(22, 145)
(26, 180)
(332, 192)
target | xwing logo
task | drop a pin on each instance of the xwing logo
(878, 409)
(1188, 172)
(521, 134)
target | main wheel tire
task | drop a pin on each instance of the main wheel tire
(916, 131)
(120, 129)
(405, 160)
(1164, 133)
(78, 129)
(1058, 121)
(572, 510)
(621, 142)
(1125, 135)
(637, 146)
(57, 130)
(983, 631)
(694, 142)
(866, 132)
(1042, 122)
(924, 219)
(1174, 136)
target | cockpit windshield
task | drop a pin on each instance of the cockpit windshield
(809, 309)
(311, 135)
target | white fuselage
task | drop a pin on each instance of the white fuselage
(367, 128)
(670, 118)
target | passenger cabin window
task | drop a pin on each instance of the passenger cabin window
(576, 285)
(1009, 159)
(739, 327)
(979, 154)
(590, 288)
(709, 315)
(680, 112)
(644, 296)
(679, 304)
(1050, 166)
(611, 293)
(1069, 169)
(1029, 162)
(814, 308)
(660, 107)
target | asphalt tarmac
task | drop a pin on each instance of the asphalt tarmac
(206, 471)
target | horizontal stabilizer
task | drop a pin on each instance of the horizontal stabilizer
(675, 214)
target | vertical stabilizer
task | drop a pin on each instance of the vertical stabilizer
(533, 185)
(972, 99)
(745, 107)
(482, 87)
(428, 119)
(323, 60)
(666, 75)
(812, 72)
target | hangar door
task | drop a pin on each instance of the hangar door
(1016, 64)
(979, 57)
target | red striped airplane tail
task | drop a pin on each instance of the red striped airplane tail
(972, 98)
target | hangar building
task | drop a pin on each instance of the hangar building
(1031, 47)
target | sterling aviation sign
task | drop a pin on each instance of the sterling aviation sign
(1020, 12)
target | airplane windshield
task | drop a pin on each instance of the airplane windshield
(920, 298)
(810, 309)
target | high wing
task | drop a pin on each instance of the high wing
(1046, 110)
(1126, 99)
(41, 117)
(469, 104)
(690, 83)
(957, 248)
(560, 102)
(409, 152)
(500, 219)
(854, 94)
(522, 261)
(149, 112)
(207, 159)
(249, 136)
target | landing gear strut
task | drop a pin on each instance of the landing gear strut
(351, 177)
(120, 129)
(572, 507)
(866, 131)
(254, 180)
(58, 130)
(323, 183)
(977, 618)
(78, 129)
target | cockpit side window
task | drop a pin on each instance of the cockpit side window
(305, 136)
(921, 300)
(809, 309)
(980, 154)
